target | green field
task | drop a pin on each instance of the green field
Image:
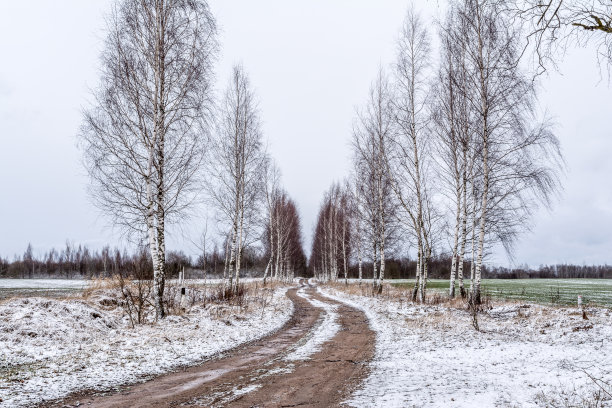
(594, 292)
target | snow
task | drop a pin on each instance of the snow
(325, 329)
(50, 348)
(212, 281)
(524, 357)
(43, 283)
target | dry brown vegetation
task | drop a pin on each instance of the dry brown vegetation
(134, 297)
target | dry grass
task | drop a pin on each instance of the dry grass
(100, 284)
(399, 294)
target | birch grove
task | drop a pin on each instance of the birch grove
(271, 191)
(455, 147)
(518, 155)
(331, 250)
(453, 153)
(283, 239)
(144, 136)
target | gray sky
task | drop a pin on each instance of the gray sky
(311, 64)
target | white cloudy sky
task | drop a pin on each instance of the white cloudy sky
(311, 63)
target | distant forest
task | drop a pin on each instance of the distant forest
(80, 262)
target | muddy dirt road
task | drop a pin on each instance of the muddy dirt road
(260, 374)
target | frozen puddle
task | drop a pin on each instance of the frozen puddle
(325, 329)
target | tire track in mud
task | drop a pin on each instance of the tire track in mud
(259, 374)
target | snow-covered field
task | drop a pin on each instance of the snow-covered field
(10, 288)
(50, 348)
(43, 283)
(523, 357)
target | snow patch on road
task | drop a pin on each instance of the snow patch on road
(431, 356)
(50, 348)
(325, 329)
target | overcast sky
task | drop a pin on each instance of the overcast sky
(311, 63)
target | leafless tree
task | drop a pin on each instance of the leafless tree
(358, 211)
(236, 164)
(272, 191)
(284, 238)
(409, 155)
(144, 136)
(518, 161)
(332, 237)
(347, 218)
(551, 25)
(203, 245)
(456, 147)
(372, 135)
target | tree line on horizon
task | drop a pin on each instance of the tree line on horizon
(80, 262)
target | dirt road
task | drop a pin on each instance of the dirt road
(259, 374)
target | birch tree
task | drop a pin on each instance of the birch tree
(366, 204)
(324, 250)
(409, 156)
(144, 135)
(358, 212)
(236, 165)
(272, 191)
(283, 239)
(519, 156)
(346, 220)
(455, 146)
(372, 136)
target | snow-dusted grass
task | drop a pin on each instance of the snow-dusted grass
(212, 281)
(50, 348)
(524, 357)
(325, 329)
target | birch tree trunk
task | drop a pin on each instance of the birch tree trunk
(463, 234)
(483, 215)
(267, 270)
(374, 262)
(232, 260)
(451, 292)
(417, 277)
(475, 295)
(344, 255)
(360, 263)
(226, 265)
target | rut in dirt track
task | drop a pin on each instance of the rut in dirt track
(258, 374)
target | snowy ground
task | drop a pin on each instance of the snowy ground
(50, 348)
(43, 283)
(524, 357)
(325, 329)
(41, 287)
